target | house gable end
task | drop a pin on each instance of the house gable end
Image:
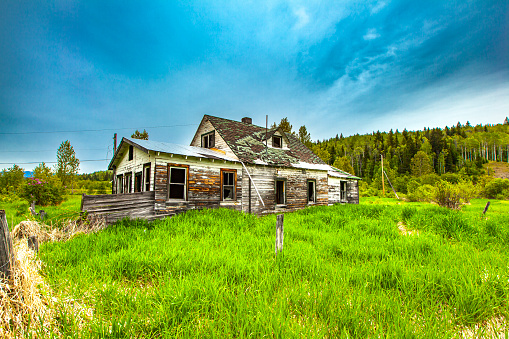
(220, 144)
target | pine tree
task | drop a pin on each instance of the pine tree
(285, 125)
(304, 136)
(67, 164)
(140, 135)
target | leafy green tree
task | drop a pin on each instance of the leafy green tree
(11, 179)
(322, 153)
(140, 135)
(67, 164)
(421, 164)
(343, 163)
(285, 125)
(42, 172)
(304, 136)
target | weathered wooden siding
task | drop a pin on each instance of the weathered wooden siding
(352, 191)
(140, 158)
(219, 142)
(117, 206)
(203, 185)
(296, 188)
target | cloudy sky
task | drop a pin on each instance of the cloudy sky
(83, 70)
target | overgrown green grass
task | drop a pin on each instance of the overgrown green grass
(347, 271)
(16, 210)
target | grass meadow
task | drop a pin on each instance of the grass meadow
(373, 270)
(16, 210)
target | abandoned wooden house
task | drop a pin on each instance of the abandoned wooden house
(229, 164)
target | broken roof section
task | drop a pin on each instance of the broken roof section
(247, 141)
(165, 147)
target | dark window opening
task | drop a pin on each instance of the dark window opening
(120, 186)
(147, 178)
(137, 181)
(131, 153)
(311, 191)
(280, 192)
(128, 182)
(228, 186)
(277, 141)
(177, 183)
(342, 190)
(207, 140)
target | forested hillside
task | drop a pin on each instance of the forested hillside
(411, 159)
(457, 149)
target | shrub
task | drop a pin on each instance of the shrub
(43, 192)
(453, 196)
(453, 178)
(422, 193)
(430, 179)
(497, 189)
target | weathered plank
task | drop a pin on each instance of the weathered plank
(7, 261)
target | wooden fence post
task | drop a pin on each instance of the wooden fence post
(6, 249)
(279, 233)
(486, 208)
(33, 243)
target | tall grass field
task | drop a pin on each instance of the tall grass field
(350, 271)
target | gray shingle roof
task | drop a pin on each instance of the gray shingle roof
(247, 141)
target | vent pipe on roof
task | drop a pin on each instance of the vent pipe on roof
(247, 120)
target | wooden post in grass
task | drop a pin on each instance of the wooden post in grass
(33, 243)
(6, 249)
(486, 208)
(279, 233)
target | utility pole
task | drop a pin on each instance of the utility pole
(383, 182)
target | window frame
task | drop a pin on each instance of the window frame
(234, 186)
(131, 153)
(186, 181)
(276, 180)
(342, 193)
(128, 182)
(208, 136)
(146, 178)
(274, 137)
(120, 184)
(138, 181)
(311, 181)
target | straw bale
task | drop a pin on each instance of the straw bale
(27, 303)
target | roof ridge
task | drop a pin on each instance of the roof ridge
(235, 121)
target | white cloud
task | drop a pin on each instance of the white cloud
(378, 7)
(371, 34)
(302, 18)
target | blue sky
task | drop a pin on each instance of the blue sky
(334, 66)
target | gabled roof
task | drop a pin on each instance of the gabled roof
(247, 141)
(165, 147)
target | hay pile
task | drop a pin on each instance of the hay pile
(26, 302)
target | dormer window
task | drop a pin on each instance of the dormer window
(277, 141)
(207, 140)
(131, 153)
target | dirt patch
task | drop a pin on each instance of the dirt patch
(404, 231)
(498, 169)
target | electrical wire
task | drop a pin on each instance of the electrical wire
(46, 162)
(93, 130)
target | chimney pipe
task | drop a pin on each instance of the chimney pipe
(247, 120)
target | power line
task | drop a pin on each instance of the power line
(94, 130)
(46, 162)
(52, 150)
